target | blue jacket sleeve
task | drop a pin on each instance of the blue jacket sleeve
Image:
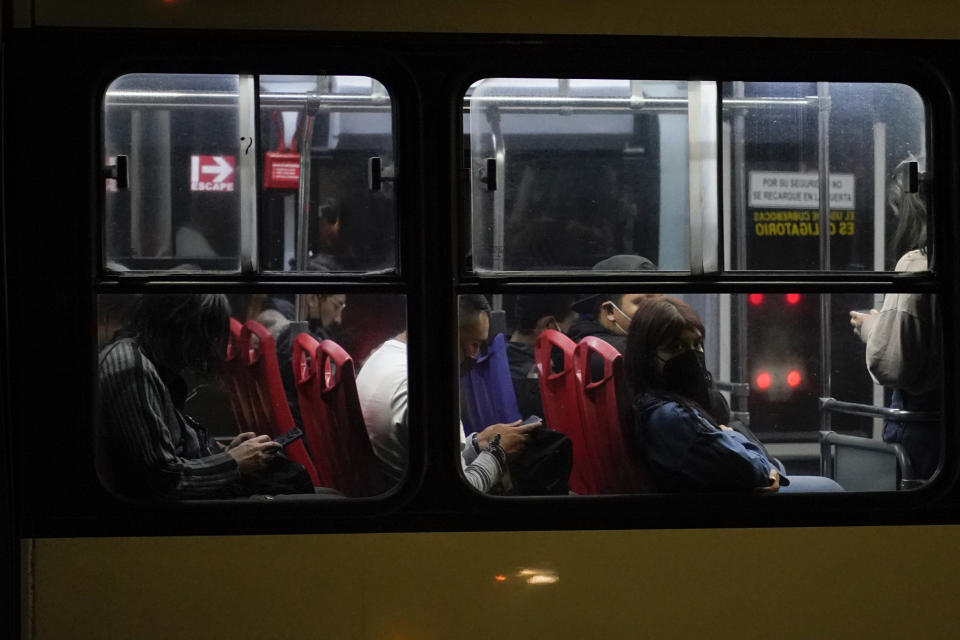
(701, 456)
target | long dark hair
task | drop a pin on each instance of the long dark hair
(658, 320)
(178, 331)
(911, 212)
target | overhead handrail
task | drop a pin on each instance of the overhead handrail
(832, 405)
(326, 102)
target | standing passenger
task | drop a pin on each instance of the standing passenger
(903, 343)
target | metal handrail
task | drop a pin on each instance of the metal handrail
(324, 102)
(739, 389)
(832, 405)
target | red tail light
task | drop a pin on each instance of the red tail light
(764, 380)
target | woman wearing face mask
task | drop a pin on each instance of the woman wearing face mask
(676, 442)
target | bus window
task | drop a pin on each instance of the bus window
(799, 382)
(331, 208)
(182, 163)
(565, 173)
(779, 137)
(173, 144)
(182, 376)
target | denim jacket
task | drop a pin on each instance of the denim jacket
(682, 451)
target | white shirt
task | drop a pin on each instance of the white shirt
(382, 387)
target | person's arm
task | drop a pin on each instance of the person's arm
(487, 467)
(140, 415)
(899, 353)
(709, 458)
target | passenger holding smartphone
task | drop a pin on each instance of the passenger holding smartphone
(902, 341)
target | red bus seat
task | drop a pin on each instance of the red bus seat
(600, 416)
(268, 403)
(237, 380)
(332, 420)
(561, 404)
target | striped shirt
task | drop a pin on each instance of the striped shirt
(144, 449)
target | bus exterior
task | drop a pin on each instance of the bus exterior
(359, 170)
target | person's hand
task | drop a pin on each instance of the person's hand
(726, 428)
(243, 437)
(774, 485)
(856, 319)
(513, 436)
(253, 455)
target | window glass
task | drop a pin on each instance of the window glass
(774, 136)
(332, 207)
(179, 138)
(566, 173)
(176, 382)
(779, 368)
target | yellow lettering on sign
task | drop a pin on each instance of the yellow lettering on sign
(799, 224)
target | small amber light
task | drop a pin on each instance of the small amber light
(500, 578)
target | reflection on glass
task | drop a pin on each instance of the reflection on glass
(765, 364)
(181, 207)
(328, 198)
(565, 173)
(181, 375)
(773, 136)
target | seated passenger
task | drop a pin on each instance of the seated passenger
(608, 316)
(382, 387)
(146, 447)
(324, 315)
(535, 314)
(678, 446)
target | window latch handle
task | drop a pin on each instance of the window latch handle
(118, 171)
(377, 174)
(488, 175)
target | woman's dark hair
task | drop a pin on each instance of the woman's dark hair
(178, 331)
(911, 212)
(658, 320)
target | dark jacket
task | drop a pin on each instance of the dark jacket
(584, 328)
(679, 450)
(526, 380)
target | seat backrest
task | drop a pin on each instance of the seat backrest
(486, 392)
(271, 414)
(237, 380)
(860, 464)
(561, 403)
(327, 391)
(600, 400)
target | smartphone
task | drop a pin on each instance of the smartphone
(532, 419)
(289, 437)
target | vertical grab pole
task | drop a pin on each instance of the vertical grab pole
(823, 167)
(499, 203)
(739, 224)
(879, 235)
(310, 107)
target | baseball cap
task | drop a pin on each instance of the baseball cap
(621, 262)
